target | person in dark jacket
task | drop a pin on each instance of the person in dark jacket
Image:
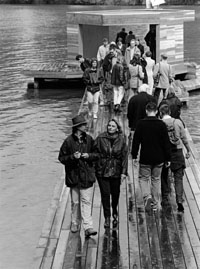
(93, 77)
(111, 168)
(174, 104)
(137, 106)
(122, 34)
(152, 136)
(84, 62)
(76, 154)
(118, 81)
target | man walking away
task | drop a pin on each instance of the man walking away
(151, 134)
(176, 134)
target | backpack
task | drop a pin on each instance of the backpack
(174, 140)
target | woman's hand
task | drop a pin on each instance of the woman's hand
(187, 155)
(123, 177)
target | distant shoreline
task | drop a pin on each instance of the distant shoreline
(97, 2)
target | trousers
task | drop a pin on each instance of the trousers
(81, 206)
(109, 188)
(150, 181)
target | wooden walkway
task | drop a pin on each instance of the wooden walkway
(166, 239)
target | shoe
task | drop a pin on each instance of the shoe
(89, 232)
(148, 203)
(107, 223)
(74, 228)
(95, 116)
(180, 207)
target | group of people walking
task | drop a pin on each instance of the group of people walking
(156, 131)
(120, 69)
(156, 137)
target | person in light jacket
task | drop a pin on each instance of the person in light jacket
(111, 168)
(93, 77)
(131, 51)
(136, 75)
(165, 77)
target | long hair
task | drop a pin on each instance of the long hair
(118, 126)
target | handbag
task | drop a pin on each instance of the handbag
(157, 78)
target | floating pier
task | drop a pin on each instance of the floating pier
(165, 239)
(86, 30)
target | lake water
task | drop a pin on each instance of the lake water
(32, 128)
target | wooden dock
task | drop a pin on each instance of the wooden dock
(166, 239)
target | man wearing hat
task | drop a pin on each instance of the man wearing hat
(76, 153)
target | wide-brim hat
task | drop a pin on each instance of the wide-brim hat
(78, 120)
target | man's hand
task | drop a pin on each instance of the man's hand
(85, 155)
(77, 155)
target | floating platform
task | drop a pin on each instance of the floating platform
(86, 30)
(164, 239)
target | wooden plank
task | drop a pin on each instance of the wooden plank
(194, 185)
(175, 242)
(123, 227)
(38, 257)
(60, 250)
(101, 239)
(165, 247)
(56, 228)
(66, 225)
(73, 245)
(49, 254)
(52, 209)
(154, 243)
(134, 254)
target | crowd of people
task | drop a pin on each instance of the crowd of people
(157, 133)
(121, 67)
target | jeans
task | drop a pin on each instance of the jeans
(81, 206)
(178, 183)
(93, 102)
(165, 184)
(150, 181)
(109, 187)
(118, 94)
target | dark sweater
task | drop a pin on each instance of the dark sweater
(137, 108)
(152, 134)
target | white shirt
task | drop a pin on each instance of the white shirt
(102, 51)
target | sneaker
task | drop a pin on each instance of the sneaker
(148, 203)
(180, 207)
(74, 228)
(90, 232)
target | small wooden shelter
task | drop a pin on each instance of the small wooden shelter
(86, 29)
